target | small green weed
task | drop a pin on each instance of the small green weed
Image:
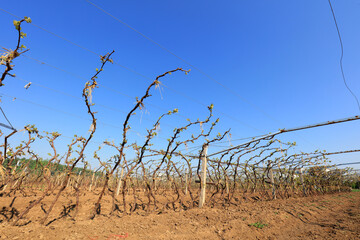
(258, 225)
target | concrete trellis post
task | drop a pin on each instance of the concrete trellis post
(78, 180)
(203, 177)
(68, 183)
(92, 180)
(155, 181)
(302, 180)
(186, 182)
(302, 177)
(96, 181)
(120, 181)
(272, 183)
(227, 184)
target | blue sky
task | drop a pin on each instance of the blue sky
(281, 58)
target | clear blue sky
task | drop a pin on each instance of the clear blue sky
(282, 57)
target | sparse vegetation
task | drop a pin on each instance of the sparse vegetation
(259, 225)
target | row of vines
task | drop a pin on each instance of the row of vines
(155, 180)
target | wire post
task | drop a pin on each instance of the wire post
(227, 187)
(92, 180)
(119, 185)
(302, 178)
(78, 179)
(186, 182)
(302, 181)
(272, 183)
(203, 176)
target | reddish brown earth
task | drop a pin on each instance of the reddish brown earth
(334, 216)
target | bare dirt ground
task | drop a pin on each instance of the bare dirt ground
(333, 216)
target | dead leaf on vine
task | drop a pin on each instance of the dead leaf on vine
(27, 85)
